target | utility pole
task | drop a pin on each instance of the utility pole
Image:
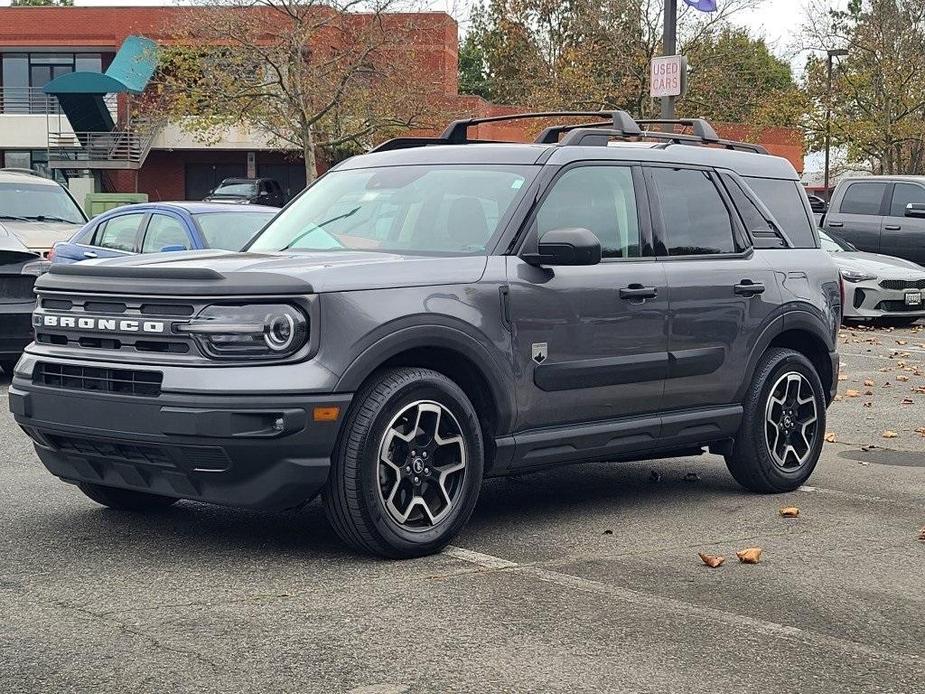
(670, 47)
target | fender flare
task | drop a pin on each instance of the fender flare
(447, 334)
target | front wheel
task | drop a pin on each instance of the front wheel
(408, 467)
(125, 499)
(780, 438)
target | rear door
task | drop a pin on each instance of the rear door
(166, 231)
(858, 214)
(720, 291)
(902, 236)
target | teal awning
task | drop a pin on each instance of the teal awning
(130, 72)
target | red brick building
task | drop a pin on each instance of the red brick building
(38, 44)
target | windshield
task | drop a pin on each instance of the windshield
(239, 189)
(30, 202)
(833, 244)
(230, 231)
(445, 209)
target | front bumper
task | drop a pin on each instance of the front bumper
(869, 300)
(245, 450)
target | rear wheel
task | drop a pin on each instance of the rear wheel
(780, 438)
(407, 471)
(125, 499)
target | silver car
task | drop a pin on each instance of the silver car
(37, 211)
(878, 286)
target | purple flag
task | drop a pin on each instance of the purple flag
(702, 5)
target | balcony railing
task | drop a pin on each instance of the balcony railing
(119, 149)
(33, 101)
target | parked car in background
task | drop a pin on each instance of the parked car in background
(819, 207)
(880, 214)
(164, 226)
(248, 191)
(878, 286)
(38, 211)
(18, 269)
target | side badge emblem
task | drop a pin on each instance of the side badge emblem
(539, 352)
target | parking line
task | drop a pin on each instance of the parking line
(680, 607)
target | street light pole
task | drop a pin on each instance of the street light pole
(669, 47)
(830, 55)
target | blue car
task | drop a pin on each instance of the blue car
(163, 226)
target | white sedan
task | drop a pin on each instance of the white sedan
(878, 286)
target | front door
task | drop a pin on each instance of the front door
(590, 341)
(720, 290)
(859, 214)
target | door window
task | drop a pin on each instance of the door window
(601, 199)
(904, 194)
(119, 232)
(863, 198)
(164, 231)
(693, 212)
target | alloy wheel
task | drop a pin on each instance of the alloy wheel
(422, 465)
(791, 421)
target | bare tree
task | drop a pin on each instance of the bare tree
(319, 76)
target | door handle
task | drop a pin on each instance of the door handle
(835, 224)
(749, 288)
(89, 254)
(637, 291)
(893, 227)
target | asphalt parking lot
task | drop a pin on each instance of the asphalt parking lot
(581, 579)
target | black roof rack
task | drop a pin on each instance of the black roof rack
(618, 125)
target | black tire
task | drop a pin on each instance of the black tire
(354, 496)
(7, 366)
(751, 462)
(125, 499)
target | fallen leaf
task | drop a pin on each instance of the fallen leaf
(607, 532)
(868, 383)
(903, 379)
(868, 404)
(831, 437)
(842, 377)
(902, 342)
(789, 512)
(868, 392)
(711, 560)
(839, 397)
(922, 535)
(852, 393)
(752, 555)
(890, 434)
(907, 401)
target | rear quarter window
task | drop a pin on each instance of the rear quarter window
(785, 200)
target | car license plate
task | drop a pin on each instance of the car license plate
(913, 298)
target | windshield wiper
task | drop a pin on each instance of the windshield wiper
(13, 216)
(319, 226)
(49, 218)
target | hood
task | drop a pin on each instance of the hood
(320, 272)
(40, 236)
(883, 266)
(12, 250)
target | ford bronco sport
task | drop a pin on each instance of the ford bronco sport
(442, 310)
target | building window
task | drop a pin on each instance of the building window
(36, 159)
(24, 74)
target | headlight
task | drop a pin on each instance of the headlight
(857, 276)
(249, 331)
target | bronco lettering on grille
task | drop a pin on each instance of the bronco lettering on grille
(115, 325)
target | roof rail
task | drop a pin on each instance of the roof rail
(457, 131)
(599, 137)
(699, 127)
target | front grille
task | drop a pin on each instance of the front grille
(899, 307)
(903, 284)
(98, 379)
(167, 344)
(16, 288)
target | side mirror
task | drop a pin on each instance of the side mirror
(915, 209)
(571, 246)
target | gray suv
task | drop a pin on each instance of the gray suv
(442, 310)
(880, 214)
